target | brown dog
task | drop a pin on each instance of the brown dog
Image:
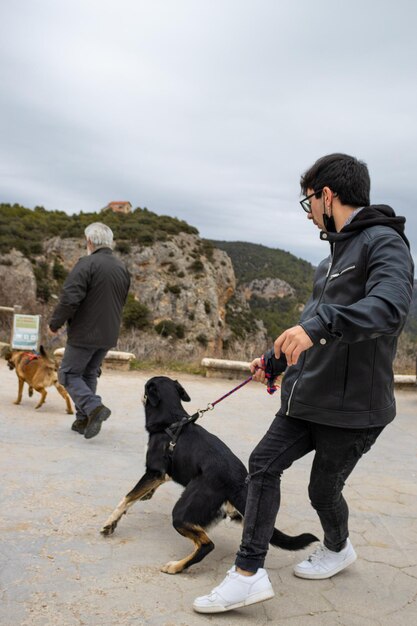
(38, 371)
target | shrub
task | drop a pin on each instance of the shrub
(123, 247)
(175, 289)
(135, 314)
(59, 272)
(41, 271)
(35, 248)
(168, 328)
(202, 340)
(196, 266)
(180, 331)
(241, 322)
(208, 249)
(43, 291)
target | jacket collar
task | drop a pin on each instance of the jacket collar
(104, 250)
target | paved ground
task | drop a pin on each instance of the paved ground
(58, 488)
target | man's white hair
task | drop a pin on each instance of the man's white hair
(99, 234)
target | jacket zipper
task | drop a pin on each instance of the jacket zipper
(352, 267)
(332, 252)
(290, 398)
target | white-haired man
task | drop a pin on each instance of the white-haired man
(91, 304)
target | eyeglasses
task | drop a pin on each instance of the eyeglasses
(306, 203)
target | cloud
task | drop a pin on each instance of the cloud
(208, 111)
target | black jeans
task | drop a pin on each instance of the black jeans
(337, 452)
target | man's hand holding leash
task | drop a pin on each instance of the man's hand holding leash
(257, 371)
(286, 351)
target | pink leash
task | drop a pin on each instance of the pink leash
(211, 405)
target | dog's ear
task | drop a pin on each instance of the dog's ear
(152, 393)
(181, 392)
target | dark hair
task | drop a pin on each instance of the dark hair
(344, 174)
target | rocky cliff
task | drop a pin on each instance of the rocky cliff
(184, 280)
(17, 281)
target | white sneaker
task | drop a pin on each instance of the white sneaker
(236, 591)
(324, 563)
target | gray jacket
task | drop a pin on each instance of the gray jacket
(92, 300)
(359, 305)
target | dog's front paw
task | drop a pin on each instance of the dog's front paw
(108, 529)
(173, 567)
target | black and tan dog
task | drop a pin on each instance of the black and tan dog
(39, 371)
(213, 477)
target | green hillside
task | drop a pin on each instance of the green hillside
(252, 261)
(25, 229)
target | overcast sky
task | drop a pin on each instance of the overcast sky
(207, 110)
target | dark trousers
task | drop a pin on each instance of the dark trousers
(78, 372)
(337, 450)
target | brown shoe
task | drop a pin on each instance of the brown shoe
(97, 415)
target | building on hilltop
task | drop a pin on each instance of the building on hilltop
(118, 206)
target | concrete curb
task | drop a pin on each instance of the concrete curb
(224, 368)
(113, 360)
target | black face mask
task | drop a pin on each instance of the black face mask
(329, 224)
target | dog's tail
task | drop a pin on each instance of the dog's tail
(286, 542)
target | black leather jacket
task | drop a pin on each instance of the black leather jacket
(359, 305)
(92, 300)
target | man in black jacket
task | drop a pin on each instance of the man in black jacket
(337, 392)
(91, 304)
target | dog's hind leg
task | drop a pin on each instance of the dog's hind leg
(19, 391)
(203, 545)
(197, 508)
(232, 513)
(143, 490)
(62, 391)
